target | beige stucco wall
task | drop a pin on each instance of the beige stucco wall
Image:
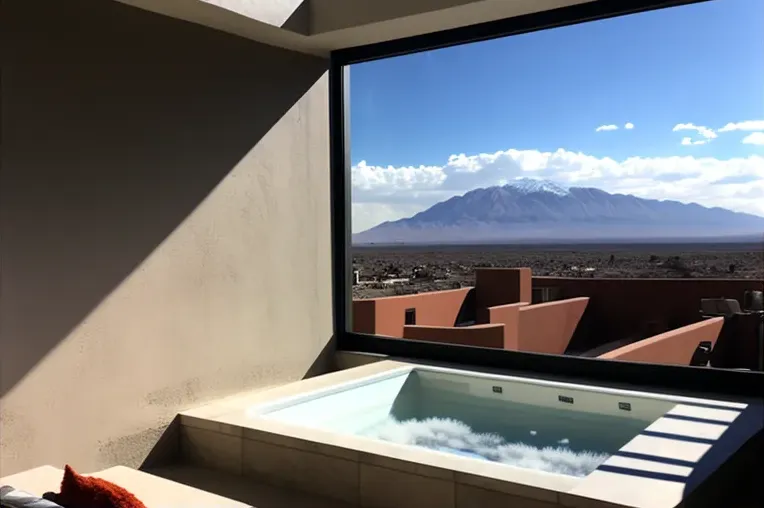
(164, 226)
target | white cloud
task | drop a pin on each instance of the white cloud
(689, 141)
(610, 127)
(748, 125)
(387, 193)
(628, 126)
(700, 129)
(755, 138)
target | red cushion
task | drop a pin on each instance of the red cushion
(79, 491)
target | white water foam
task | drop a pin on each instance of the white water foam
(446, 434)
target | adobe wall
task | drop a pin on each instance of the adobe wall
(364, 315)
(490, 335)
(549, 327)
(622, 307)
(509, 316)
(439, 308)
(501, 286)
(540, 328)
(673, 347)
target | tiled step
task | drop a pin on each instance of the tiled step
(276, 460)
(242, 489)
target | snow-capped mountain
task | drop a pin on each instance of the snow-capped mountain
(529, 185)
(540, 210)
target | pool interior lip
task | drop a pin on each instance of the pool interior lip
(263, 409)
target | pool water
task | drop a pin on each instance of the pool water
(569, 442)
(473, 419)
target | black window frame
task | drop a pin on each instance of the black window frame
(651, 377)
(410, 316)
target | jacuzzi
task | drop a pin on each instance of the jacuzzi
(541, 426)
(545, 440)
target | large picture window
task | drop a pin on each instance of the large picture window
(578, 192)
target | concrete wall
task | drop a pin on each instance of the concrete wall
(439, 308)
(673, 347)
(165, 225)
(620, 308)
(490, 335)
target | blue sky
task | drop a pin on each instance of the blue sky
(677, 76)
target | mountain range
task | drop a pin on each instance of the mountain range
(542, 211)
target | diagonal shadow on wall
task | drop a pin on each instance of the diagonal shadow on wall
(117, 123)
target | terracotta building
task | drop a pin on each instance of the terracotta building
(645, 320)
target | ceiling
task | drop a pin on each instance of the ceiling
(320, 26)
